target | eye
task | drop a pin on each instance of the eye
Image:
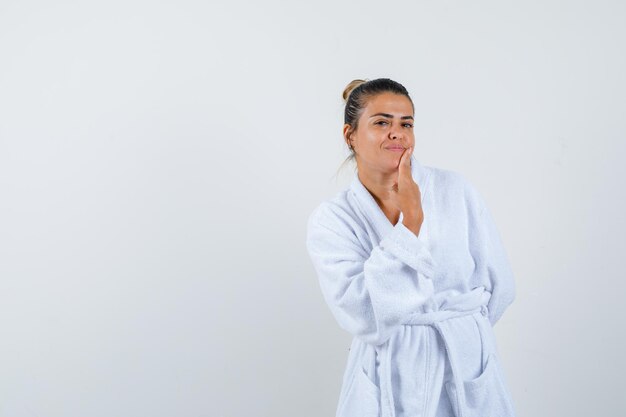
(408, 125)
(380, 121)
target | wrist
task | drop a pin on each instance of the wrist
(413, 225)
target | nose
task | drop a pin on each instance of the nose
(394, 134)
(395, 130)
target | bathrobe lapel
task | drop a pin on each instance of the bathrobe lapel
(373, 212)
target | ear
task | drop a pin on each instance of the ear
(347, 134)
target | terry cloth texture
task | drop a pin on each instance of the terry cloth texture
(420, 307)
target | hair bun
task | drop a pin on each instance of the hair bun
(351, 86)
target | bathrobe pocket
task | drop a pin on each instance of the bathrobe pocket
(362, 399)
(484, 396)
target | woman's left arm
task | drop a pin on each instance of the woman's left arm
(491, 259)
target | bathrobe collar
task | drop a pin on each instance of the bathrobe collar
(371, 208)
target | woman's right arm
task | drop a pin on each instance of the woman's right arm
(369, 294)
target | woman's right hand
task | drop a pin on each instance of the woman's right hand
(406, 194)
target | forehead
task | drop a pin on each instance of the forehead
(389, 103)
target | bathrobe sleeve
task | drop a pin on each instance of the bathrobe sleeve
(490, 256)
(369, 294)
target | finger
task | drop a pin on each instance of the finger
(404, 167)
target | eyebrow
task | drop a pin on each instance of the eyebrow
(391, 116)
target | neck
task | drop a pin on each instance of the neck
(378, 183)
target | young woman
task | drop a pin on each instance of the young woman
(411, 263)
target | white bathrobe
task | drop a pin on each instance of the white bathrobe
(421, 308)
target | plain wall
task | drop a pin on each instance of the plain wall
(158, 162)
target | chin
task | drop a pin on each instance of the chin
(390, 165)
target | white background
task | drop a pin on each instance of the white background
(158, 162)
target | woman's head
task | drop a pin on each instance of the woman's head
(378, 117)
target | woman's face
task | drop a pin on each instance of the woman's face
(385, 130)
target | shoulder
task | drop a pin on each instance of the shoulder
(331, 213)
(334, 226)
(455, 184)
(445, 177)
(448, 179)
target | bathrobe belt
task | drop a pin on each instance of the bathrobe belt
(466, 305)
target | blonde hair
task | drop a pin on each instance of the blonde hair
(350, 87)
